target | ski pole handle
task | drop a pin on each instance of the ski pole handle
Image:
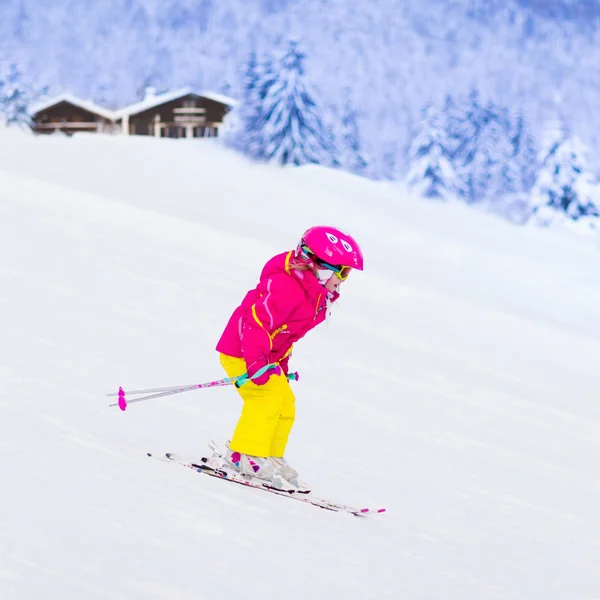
(242, 379)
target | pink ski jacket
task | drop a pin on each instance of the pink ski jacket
(284, 306)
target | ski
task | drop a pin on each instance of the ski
(229, 475)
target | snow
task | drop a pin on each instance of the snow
(70, 98)
(455, 383)
(153, 100)
(541, 57)
(222, 98)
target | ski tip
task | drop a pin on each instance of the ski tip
(371, 511)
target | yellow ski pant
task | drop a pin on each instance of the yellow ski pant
(267, 416)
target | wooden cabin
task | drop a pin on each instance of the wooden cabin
(68, 114)
(178, 114)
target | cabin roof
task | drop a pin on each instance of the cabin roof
(69, 98)
(158, 99)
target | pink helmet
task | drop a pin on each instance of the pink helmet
(331, 248)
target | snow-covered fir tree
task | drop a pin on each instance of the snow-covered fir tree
(464, 120)
(386, 167)
(464, 123)
(517, 170)
(290, 128)
(495, 157)
(431, 171)
(16, 95)
(490, 149)
(352, 156)
(257, 78)
(554, 133)
(241, 120)
(525, 152)
(565, 184)
(250, 79)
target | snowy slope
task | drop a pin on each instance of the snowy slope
(456, 384)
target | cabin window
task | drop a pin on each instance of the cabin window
(175, 132)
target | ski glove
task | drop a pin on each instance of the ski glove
(264, 378)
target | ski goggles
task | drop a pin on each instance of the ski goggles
(340, 271)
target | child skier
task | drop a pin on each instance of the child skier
(290, 299)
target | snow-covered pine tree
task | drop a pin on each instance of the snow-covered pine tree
(554, 133)
(496, 158)
(517, 207)
(331, 126)
(250, 78)
(463, 123)
(476, 157)
(453, 119)
(565, 184)
(291, 125)
(16, 95)
(507, 157)
(486, 148)
(431, 172)
(240, 121)
(386, 167)
(266, 74)
(524, 150)
(244, 123)
(352, 157)
(467, 126)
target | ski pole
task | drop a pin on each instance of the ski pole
(219, 382)
(122, 403)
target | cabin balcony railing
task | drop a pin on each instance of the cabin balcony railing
(74, 125)
(189, 110)
(191, 119)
